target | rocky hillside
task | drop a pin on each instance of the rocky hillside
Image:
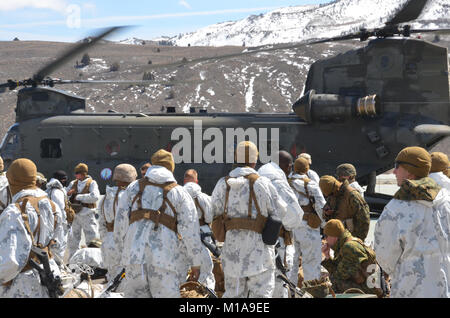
(298, 23)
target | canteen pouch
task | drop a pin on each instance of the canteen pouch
(271, 231)
(218, 228)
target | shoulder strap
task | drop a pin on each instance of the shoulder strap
(252, 197)
(25, 218)
(197, 204)
(166, 189)
(75, 187)
(87, 186)
(291, 182)
(34, 201)
(227, 195)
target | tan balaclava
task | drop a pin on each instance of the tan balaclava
(246, 153)
(163, 158)
(329, 185)
(21, 175)
(301, 165)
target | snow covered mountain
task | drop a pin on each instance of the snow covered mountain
(297, 23)
(132, 41)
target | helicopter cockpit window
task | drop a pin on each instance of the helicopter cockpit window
(51, 148)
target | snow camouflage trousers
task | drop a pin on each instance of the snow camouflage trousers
(308, 244)
(146, 281)
(258, 286)
(84, 221)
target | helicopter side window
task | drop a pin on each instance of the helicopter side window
(51, 148)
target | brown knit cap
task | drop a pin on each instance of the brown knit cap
(301, 165)
(2, 166)
(82, 168)
(163, 158)
(439, 162)
(125, 173)
(334, 227)
(246, 152)
(329, 185)
(415, 160)
(21, 175)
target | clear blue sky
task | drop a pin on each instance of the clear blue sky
(71, 20)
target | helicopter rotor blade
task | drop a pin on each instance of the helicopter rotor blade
(443, 130)
(125, 82)
(72, 52)
(441, 31)
(410, 11)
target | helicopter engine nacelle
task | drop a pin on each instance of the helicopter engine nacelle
(329, 107)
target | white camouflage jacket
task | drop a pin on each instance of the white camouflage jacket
(3, 191)
(314, 190)
(441, 179)
(412, 246)
(15, 242)
(293, 214)
(92, 197)
(195, 191)
(313, 176)
(161, 248)
(111, 254)
(57, 193)
(244, 253)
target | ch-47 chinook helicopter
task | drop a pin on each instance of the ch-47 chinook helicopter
(362, 106)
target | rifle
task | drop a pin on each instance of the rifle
(51, 282)
(212, 247)
(113, 284)
(280, 266)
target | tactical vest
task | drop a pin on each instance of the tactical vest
(344, 212)
(84, 191)
(248, 223)
(34, 201)
(3, 205)
(309, 213)
(202, 219)
(157, 216)
(110, 226)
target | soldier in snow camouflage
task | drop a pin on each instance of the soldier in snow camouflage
(153, 247)
(248, 263)
(203, 204)
(123, 175)
(277, 173)
(346, 204)
(411, 235)
(307, 238)
(17, 279)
